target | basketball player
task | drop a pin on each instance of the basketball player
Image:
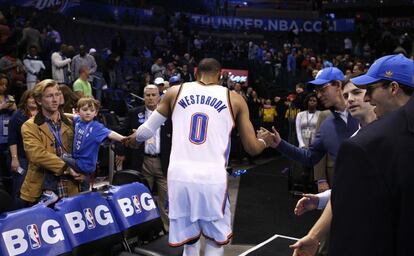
(203, 114)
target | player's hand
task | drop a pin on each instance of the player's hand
(276, 138)
(307, 203)
(306, 246)
(265, 135)
(130, 141)
(323, 186)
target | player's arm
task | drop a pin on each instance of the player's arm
(158, 117)
(251, 144)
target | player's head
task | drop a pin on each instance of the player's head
(88, 108)
(208, 67)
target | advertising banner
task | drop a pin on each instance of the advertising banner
(270, 25)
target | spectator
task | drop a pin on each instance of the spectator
(61, 65)
(31, 36)
(14, 69)
(158, 69)
(34, 66)
(27, 108)
(81, 86)
(69, 99)
(7, 107)
(43, 149)
(82, 59)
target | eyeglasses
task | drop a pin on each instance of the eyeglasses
(321, 89)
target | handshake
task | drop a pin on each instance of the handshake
(130, 141)
(270, 139)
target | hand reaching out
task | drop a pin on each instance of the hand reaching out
(277, 138)
(130, 141)
(306, 246)
(265, 135)
(307, 203)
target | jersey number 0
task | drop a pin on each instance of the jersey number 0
(198, 128)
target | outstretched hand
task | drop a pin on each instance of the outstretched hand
(276, 138)
(130, 141)
(306, 246)
(265, 135)
(307, 203)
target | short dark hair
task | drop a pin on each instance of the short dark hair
(348, 78)
(408, 90)
(208, 66)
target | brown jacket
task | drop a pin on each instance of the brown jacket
(40, 151)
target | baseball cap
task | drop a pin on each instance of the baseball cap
(174, 79)
(391, 67)
(92, 50)
(326, 75)
(159, 80)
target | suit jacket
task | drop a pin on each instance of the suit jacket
(135, 157)
(373, 192)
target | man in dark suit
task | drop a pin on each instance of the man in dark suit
(152, 157)
(373, 192)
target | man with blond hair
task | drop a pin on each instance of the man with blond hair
(46, 137)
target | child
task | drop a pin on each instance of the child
(89, 134)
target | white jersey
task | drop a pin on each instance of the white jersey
(197, 178)
(202, 122)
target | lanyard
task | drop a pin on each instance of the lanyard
(83, 136)
(56, 133)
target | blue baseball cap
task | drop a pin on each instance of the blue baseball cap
(392, 68)
(327, 75)
(174, 79)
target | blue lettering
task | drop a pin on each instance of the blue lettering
(192, 99)
(213, 102)
(182, 103)
(202, 99)
(208, 100)
(186, 100)
(218, 104)
(198, 96)
(221, 108)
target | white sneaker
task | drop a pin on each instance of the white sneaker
(48, 198)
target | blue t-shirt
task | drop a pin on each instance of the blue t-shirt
(88, 137)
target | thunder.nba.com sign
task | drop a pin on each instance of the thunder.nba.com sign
(271, 25)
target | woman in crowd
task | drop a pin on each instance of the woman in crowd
(69, 100)
(27, 108)
(7, 107)
(306, 121)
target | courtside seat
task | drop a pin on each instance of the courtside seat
(90, 224)
(127, 176)
(138, 218)
(34, 231)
